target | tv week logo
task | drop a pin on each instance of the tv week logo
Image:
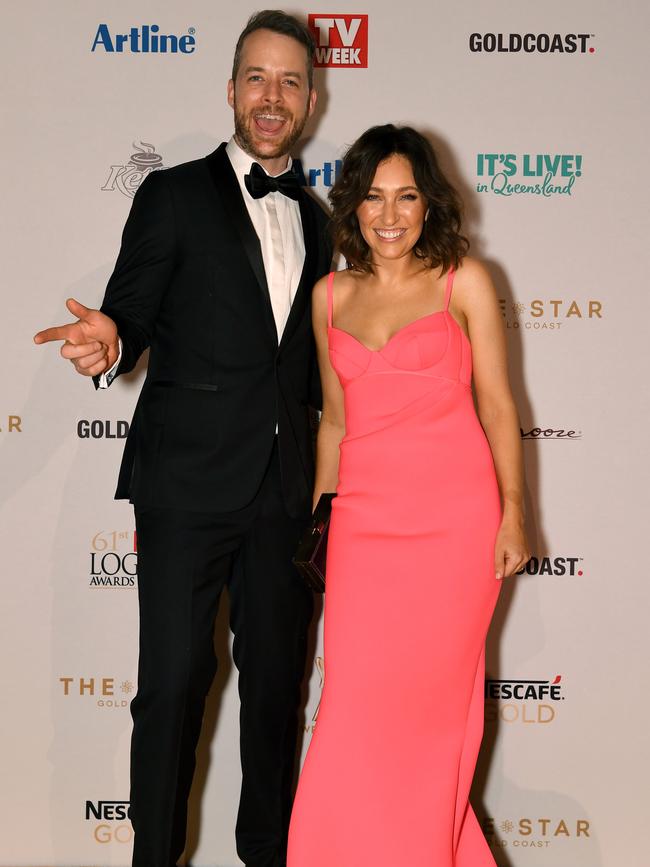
(341, 40)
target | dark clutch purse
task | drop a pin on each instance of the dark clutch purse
(311, 553)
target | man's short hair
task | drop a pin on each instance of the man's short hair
(277, 22)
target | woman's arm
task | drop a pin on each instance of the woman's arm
(332, 423)
(475, 294)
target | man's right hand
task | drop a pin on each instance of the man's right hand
(91, 343)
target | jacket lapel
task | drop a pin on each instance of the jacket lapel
(229, 192)
(303, 292)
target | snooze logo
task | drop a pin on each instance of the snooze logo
(550, 433)
(531, 43)
(341, 40)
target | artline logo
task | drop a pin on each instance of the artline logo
(327, 175)
(531, 43)
(146, 39)
(559, 566)
(100, 689)
(114, 560)
(550, 433)
(110, 811)
(97, 429)
(127, 178)
(542, 175)
(524, 701)
(549, 314)
(12, 425)
(529, 833)
(341, 40)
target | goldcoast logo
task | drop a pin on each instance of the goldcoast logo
(102, 690)
(559, 566)
(542, 175)
(531, 43)
(530, 833)
(12, 425)
(107, 815)
(113, 560)
(128, 177)
(522, 701)
(341, 40)
(549, 314)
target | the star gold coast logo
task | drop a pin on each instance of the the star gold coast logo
(534, 833)
(128, 177)
(106, 692)
(12, 424)
(550, 313)
(113, 560)
(522, 701)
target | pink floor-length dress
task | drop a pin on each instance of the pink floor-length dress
(411, 589)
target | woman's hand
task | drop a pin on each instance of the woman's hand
(511, 550)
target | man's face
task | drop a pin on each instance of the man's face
(270, 96)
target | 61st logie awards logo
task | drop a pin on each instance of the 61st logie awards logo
(341, 40)
(113, 560)
(127, 177)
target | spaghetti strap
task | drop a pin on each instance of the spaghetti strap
(330, 297)
(450, 283)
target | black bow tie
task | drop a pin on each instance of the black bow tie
(259, 184)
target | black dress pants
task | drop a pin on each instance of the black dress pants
(185, 560)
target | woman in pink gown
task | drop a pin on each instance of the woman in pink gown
(428, 517)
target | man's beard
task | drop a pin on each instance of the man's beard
(244, 122)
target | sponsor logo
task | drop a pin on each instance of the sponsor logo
(549, 314)
(12, 425)
(341, 40)
(128, 177)
(522, 701)
(146, 39)
(319, 664)
(325, 176)
(542, 175)
(553, 566)
(103, 691)
(531, 833)
(114, 560)
(531, 43)
(97, 429)
(105, 812)
(550, 433)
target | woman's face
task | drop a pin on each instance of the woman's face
(392, 215)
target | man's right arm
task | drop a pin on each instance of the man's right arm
(143, 269)
(105, 343)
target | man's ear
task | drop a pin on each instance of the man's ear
(311, 103)
(230, 93)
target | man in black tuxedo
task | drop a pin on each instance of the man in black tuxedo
(214, 275)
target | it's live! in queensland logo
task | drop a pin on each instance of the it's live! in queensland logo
(341, 40)
(533, 174)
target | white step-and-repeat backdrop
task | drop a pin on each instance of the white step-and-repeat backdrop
(537, 111)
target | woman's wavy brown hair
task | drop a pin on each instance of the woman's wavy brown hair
(441, 244)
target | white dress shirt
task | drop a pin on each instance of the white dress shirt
(276, 220)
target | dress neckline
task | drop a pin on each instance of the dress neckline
(393, 336)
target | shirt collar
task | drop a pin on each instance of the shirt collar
(242, 162)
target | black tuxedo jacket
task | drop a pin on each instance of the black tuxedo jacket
(189, 283)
